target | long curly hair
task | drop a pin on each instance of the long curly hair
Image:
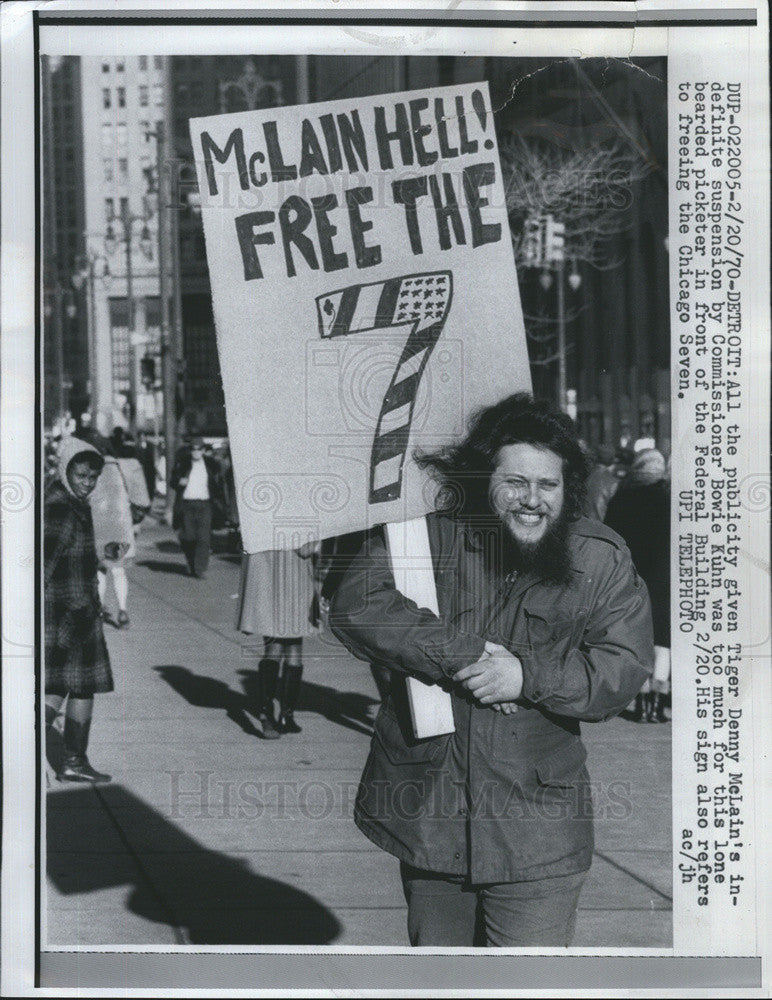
(464, 470)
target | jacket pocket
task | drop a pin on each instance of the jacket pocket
(562, 767)
(542, 632)
(401, 747)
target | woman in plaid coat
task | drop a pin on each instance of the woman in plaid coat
(77, 664)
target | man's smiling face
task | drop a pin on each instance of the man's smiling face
(526, 491)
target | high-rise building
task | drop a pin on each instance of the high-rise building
(201, 86)
(65, 343)
(123, 101)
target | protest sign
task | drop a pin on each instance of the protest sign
(365, 299)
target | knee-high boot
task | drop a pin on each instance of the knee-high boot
(54, 741)
(289, 694)
(267, 677)
(659, 709)
(75, 766)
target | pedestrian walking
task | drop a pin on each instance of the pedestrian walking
(114, 537)
(276, 599)
(86, 431)
(543, 622)
(602, 484)
(136, 487)
(640, 513)
(146, 456)
(120, 445)
(195, 480)
(77, 664)
(160, 469)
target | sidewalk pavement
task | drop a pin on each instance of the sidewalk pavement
(210, 835)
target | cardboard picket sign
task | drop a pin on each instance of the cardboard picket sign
(365, 300)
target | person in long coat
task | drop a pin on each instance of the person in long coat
(640, 513)
(114, 535)
(77, 664)
(277, 595)
(602, 484)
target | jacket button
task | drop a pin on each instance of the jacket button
(457, 856)
(462, 812)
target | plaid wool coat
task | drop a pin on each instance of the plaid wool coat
(77, 661)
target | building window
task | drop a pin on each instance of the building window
(143, 62)
(143, 96)
(107, 167)
(120, 66)
(105, 67)
(123, 171)
(121, 97)
(158, 93)
(119, 343)
(124, 208)
(144, 128)
(107, 136)
(122, 135)
(148, 174)
(158, 62)
(152, 313)
(106, 97)
(109, 209)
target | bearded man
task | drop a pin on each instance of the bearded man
(543, 623)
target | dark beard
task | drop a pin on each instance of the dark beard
(549, 558)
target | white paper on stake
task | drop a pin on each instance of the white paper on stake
(411, 563)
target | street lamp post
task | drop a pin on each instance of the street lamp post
(127, 224)
(166, 252)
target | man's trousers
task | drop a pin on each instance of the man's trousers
(448, 910)
(196, 533)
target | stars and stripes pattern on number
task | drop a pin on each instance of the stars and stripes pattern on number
(422, 300)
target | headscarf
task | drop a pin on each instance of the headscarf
(70, 449)
(649, 466)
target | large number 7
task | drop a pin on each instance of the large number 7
(423, 301)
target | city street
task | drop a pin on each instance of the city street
(210, 835)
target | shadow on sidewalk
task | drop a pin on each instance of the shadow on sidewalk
(174, 880)
(207, 692)
(349, 709)
(159, 566)
(168, 546)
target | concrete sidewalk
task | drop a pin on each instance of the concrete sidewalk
(210, 835)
